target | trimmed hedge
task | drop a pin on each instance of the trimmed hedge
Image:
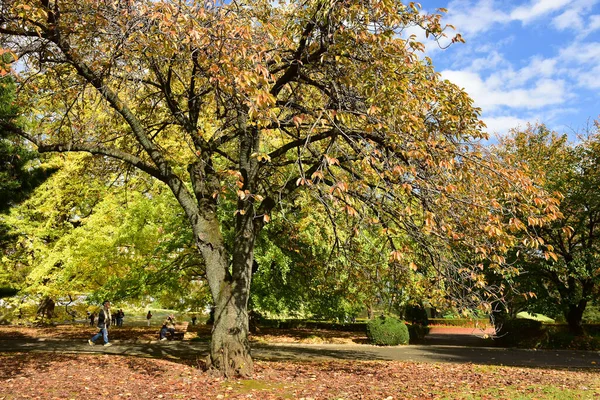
(387, 331)
(521, 333)
(309, 324)
(462, 322)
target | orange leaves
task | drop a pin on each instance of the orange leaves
(7, 57)
(339, 188)
(331, 160)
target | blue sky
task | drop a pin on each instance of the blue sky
(524, 61)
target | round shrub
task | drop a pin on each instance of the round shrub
(387, 331)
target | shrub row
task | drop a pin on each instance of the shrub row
(533, 334)
(462, 322)
(309, 324)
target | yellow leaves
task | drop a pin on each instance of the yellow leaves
(550, 254)
(517, 224)
(261, 157)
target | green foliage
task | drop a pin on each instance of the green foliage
(387, 331)
(7, 292)
(311, 324)
(416, 314)
(520, 333)
(565, 278)
(417, 332)
(592, 314)
(462, 322)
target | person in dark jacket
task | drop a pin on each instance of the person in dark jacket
(104, 319)
(168, 327)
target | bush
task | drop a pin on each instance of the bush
(309, 324)
(520, 333)
(387, 331)
(417, 332)
(462, 322)
(416, 315)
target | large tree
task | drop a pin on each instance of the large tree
(255, 101)
(572, 170)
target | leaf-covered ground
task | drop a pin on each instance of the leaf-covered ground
(144, 333)
(55, 376)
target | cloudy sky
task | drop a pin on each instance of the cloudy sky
(525, 60)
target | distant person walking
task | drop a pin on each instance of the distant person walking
(104, 319)
(194, 320)
(149, 317)
(92, 318)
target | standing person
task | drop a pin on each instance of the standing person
(194, 320)
(149, 316)
(92, 318)
(120, 316)
(104, 319)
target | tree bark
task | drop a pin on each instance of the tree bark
(230, 346)
(574, 317)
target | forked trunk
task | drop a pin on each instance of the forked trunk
(230, 347)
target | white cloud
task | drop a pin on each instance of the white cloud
(493, 93)
(491, 61)
(536, 9)
(569, 19)
(501, 125)
(471, 17)
(574, 18)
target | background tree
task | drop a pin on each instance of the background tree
(254, 102)
(21, 171)
(572, 279)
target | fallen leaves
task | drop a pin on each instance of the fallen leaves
(48, 376)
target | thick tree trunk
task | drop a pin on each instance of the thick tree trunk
(230, 347)
(574, 317)
(230, 288)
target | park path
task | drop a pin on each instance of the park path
(436, 353)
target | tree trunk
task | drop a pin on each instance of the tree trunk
(230, 347)
(574, 317)
(46, 308)
(230, 289)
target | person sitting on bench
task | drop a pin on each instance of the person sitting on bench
(168, 328)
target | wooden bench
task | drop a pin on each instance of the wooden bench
(180, 330)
